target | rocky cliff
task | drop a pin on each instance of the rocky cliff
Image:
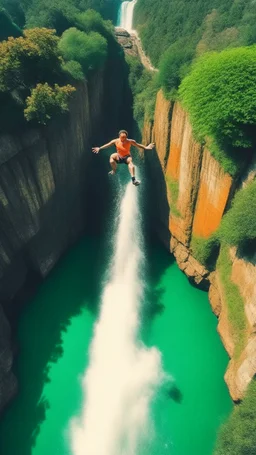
(192, 192)
(47, 179)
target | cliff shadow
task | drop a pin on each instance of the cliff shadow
(72, 286)
(157, 205)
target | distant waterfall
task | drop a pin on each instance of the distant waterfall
(126, 15)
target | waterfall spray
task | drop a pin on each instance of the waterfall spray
(123, 374)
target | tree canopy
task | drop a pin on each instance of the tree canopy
(88, 49)
(220, 96)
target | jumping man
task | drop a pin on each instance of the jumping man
(122, 155)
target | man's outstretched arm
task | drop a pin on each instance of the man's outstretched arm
(105, 146)
(144, 147)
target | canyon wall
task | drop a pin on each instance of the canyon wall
(192, 193)
(49, 194)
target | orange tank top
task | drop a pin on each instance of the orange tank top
(123, 148)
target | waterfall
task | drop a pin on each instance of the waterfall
(126, 15)
(123, 374)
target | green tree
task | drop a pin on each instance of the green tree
(46, 102)
(90, 50)
(220, 96)
(30, 59)
(73, 69)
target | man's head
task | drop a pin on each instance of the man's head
(123, 135)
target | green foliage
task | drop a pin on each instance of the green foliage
(91, 20)
(73, 69)
(174, 33)
(173, 186)
(220, 95)
(173, 67)
(238, 226)
(238, 435)
(206, 250)
(233, 299)
(144, 86)
(90, 50)
(7, 26)
(28, 59)
(62, 14)
(46, 102)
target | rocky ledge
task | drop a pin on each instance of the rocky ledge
(127, 41)
(196, 272)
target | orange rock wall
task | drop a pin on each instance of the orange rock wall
(162, 127)
(212, 198)
(183, 166)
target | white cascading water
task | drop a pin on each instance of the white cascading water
(126, 17)
(123, 374)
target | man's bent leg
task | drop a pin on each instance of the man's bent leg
(131, 168)
(113, 159)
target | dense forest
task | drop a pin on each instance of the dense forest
(45, 49)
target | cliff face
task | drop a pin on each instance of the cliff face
(189, 202)
(47, 178)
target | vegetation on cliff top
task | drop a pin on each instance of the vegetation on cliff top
(220, 95)
(39, 64)
(175, 32)
(56, 14)
(238, 435)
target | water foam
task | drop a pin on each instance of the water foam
(123, 374)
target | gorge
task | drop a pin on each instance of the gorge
(164, 327)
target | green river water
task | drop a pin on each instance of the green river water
(54, 335)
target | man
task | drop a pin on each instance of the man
(122, 155)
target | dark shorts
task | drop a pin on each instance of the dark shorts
(122, 160)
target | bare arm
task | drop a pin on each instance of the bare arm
(105, 146)
(145, 147)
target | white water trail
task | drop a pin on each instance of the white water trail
(123, 374)
(126, 18)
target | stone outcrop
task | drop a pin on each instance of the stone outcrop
(196, 272)
(127, 41)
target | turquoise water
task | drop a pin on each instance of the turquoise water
(54, 336)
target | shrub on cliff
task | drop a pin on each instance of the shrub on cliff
(46, 102)
(61, 14)
(220, 96)
(144, 86)
(206, 250)
(29, 59)
(238, 226)
(90, 20)
(173, 66)
(238, 435)
(73, 69)
(90, 50)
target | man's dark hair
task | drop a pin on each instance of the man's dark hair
(123, 131)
